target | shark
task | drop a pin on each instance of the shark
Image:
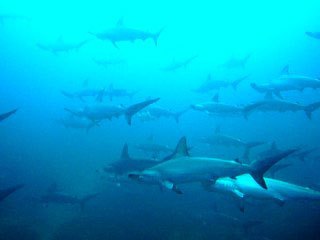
(183, 168)
(236, 62)
(121, 33)
(228, 141)
(57, 197)
(126, 163)
(270, 104)
(4, 193)
(244, 187)
(61, 45)
(287, 82)
(175, 65)
(211, 84)
(98, 112)
(215, 107)
(75, 122)
(315, 35)
(155, 112)
(5, 115)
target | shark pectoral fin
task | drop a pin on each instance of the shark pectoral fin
(279, 200)
(238, 193)
(171, 186)
(241, 199)
(115, 44)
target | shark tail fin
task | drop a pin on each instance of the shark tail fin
(85, 199)
(260, 167)
(133, 109)
(156, 36)
(8, 191)
(8, 114)
(309, 109)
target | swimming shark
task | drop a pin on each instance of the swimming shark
(185, 169)
(121, 33)
(99, 94)
(153, 113)
(72, 121)
(5, 115)
(4, 193)
(175, 65)
(57, 197)
(236, 62)
(315, 35)
(245, 186)
(228, 141)
(287, 82)
(211, 84)
(98, 112)
(126, 164)
(270, 104)
(215, 107)
(61, 45)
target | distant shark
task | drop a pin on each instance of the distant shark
(57, 197)
(287, 82)
(62, 46)
(244, 187)
(153, 113)
(215, 107)
(4, 193)
(5, 115)
(100, 112)
(269, 104)
(236, 62)
(315, 35)
(122, 33)
(185, 169)
(221, 139)
(212, 84)
(75, 122)
(128, 164)
(175, 65)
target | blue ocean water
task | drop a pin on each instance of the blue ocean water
(52, 54)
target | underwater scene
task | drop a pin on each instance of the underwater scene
(159, 120)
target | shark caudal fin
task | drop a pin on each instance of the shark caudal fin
(309, 109)
(3, 116)
(4, 193)
(85, 199)
(260, 167)
(156, 36)
(133, 109)
(236, 82)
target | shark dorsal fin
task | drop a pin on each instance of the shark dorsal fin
(120, 22)
(217, 130)
(215, 98)
(125, 152)
(181, 148)
(285, 70)
(274, 146)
